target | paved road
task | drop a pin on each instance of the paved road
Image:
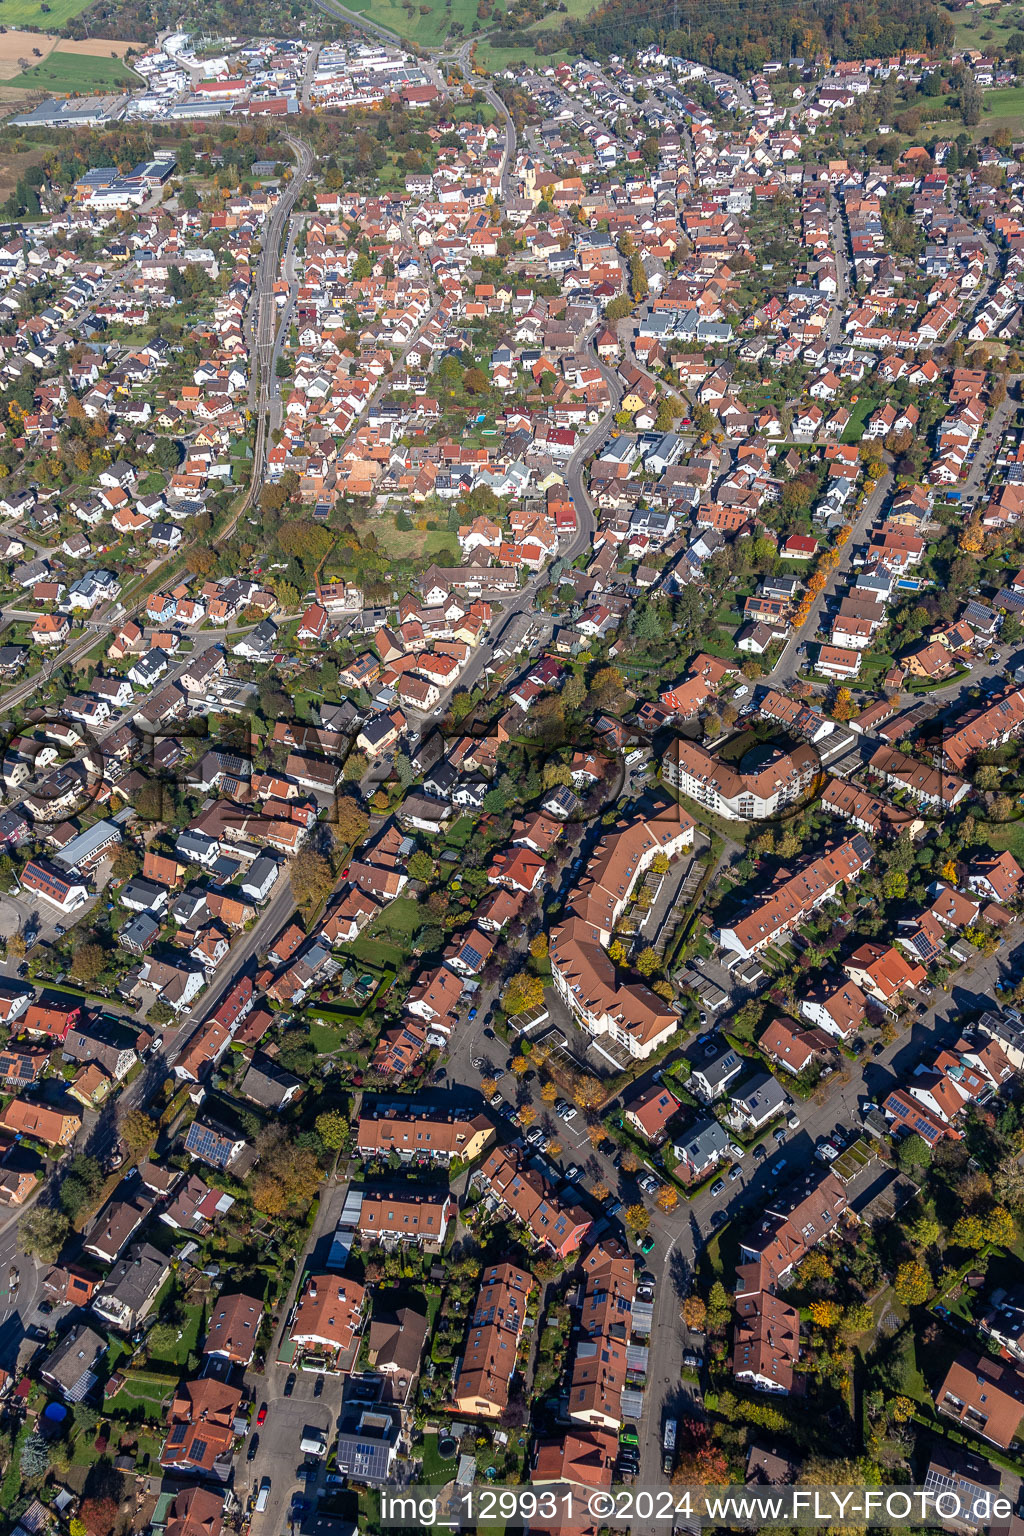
(784, 670)
(278, 1455)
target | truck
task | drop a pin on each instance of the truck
(668, 1446)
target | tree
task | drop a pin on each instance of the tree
(827, 1314)
(488, 1087)
(701, 1462)
(332, 1128)
(99, 1516)
(350, 821)
(719, 1307)
(549, 1092)
(522, 992)
(588, 1093)
(617, 952)
(843, 706)
(125, 863)
(286, 1177)
(137, 1132)
(421, 866)
(43, 1233)
(667, 1197)
(694, 1313)
(86, 964)
(923, 1232)
(520, 1065)
(912, 1285)
(913, 1153)
(312, 879)
(648, 961)
(527, 1115)
(638, 1217)
(539, 946)
(35, 1456)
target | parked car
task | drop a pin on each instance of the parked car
(717, 1186)
(261, 1417)
(735, 1172)
(254, 1445)
(779, 1133)
(289, 1386)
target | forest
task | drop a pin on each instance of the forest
(739, 36)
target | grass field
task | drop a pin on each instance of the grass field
(986, 26)
(68, 72)
(30, 13)
(1002, 109)
(409, 21)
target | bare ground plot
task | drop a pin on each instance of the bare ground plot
(20, 50)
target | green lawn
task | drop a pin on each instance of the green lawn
(68, 72)
(1007, 834)
(408, 21)
(435, 1471)
(987, 26)
(858, 416)
(30, 13)
(460, 832)
(1002, 109)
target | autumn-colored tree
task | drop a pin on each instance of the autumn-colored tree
(912, 1285)
(600, 1192)
(595, 1135)
(99, 1516)
(539, 946)
(638, 1217)
(694, 1313)
(552, 1147)
(700, 1462)
(617, 952)
(527, 1115)
(549, 1092)
(87, 962)
(648, 961)
(522, 992)
(488, 1087)
(816, 1266)
(667, 1198)
(349, 821)
(827, 1314)
(312, 879)
(138, 1132)
(286, 1176)
(588, 1092)
(332, 1128)
(520, 1065)
(843, 706)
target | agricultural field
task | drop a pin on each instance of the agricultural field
(39, 13)
(64, 73)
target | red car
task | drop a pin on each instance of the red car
(344, 874)
(261, 1417)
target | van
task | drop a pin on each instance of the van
(263, 1496)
